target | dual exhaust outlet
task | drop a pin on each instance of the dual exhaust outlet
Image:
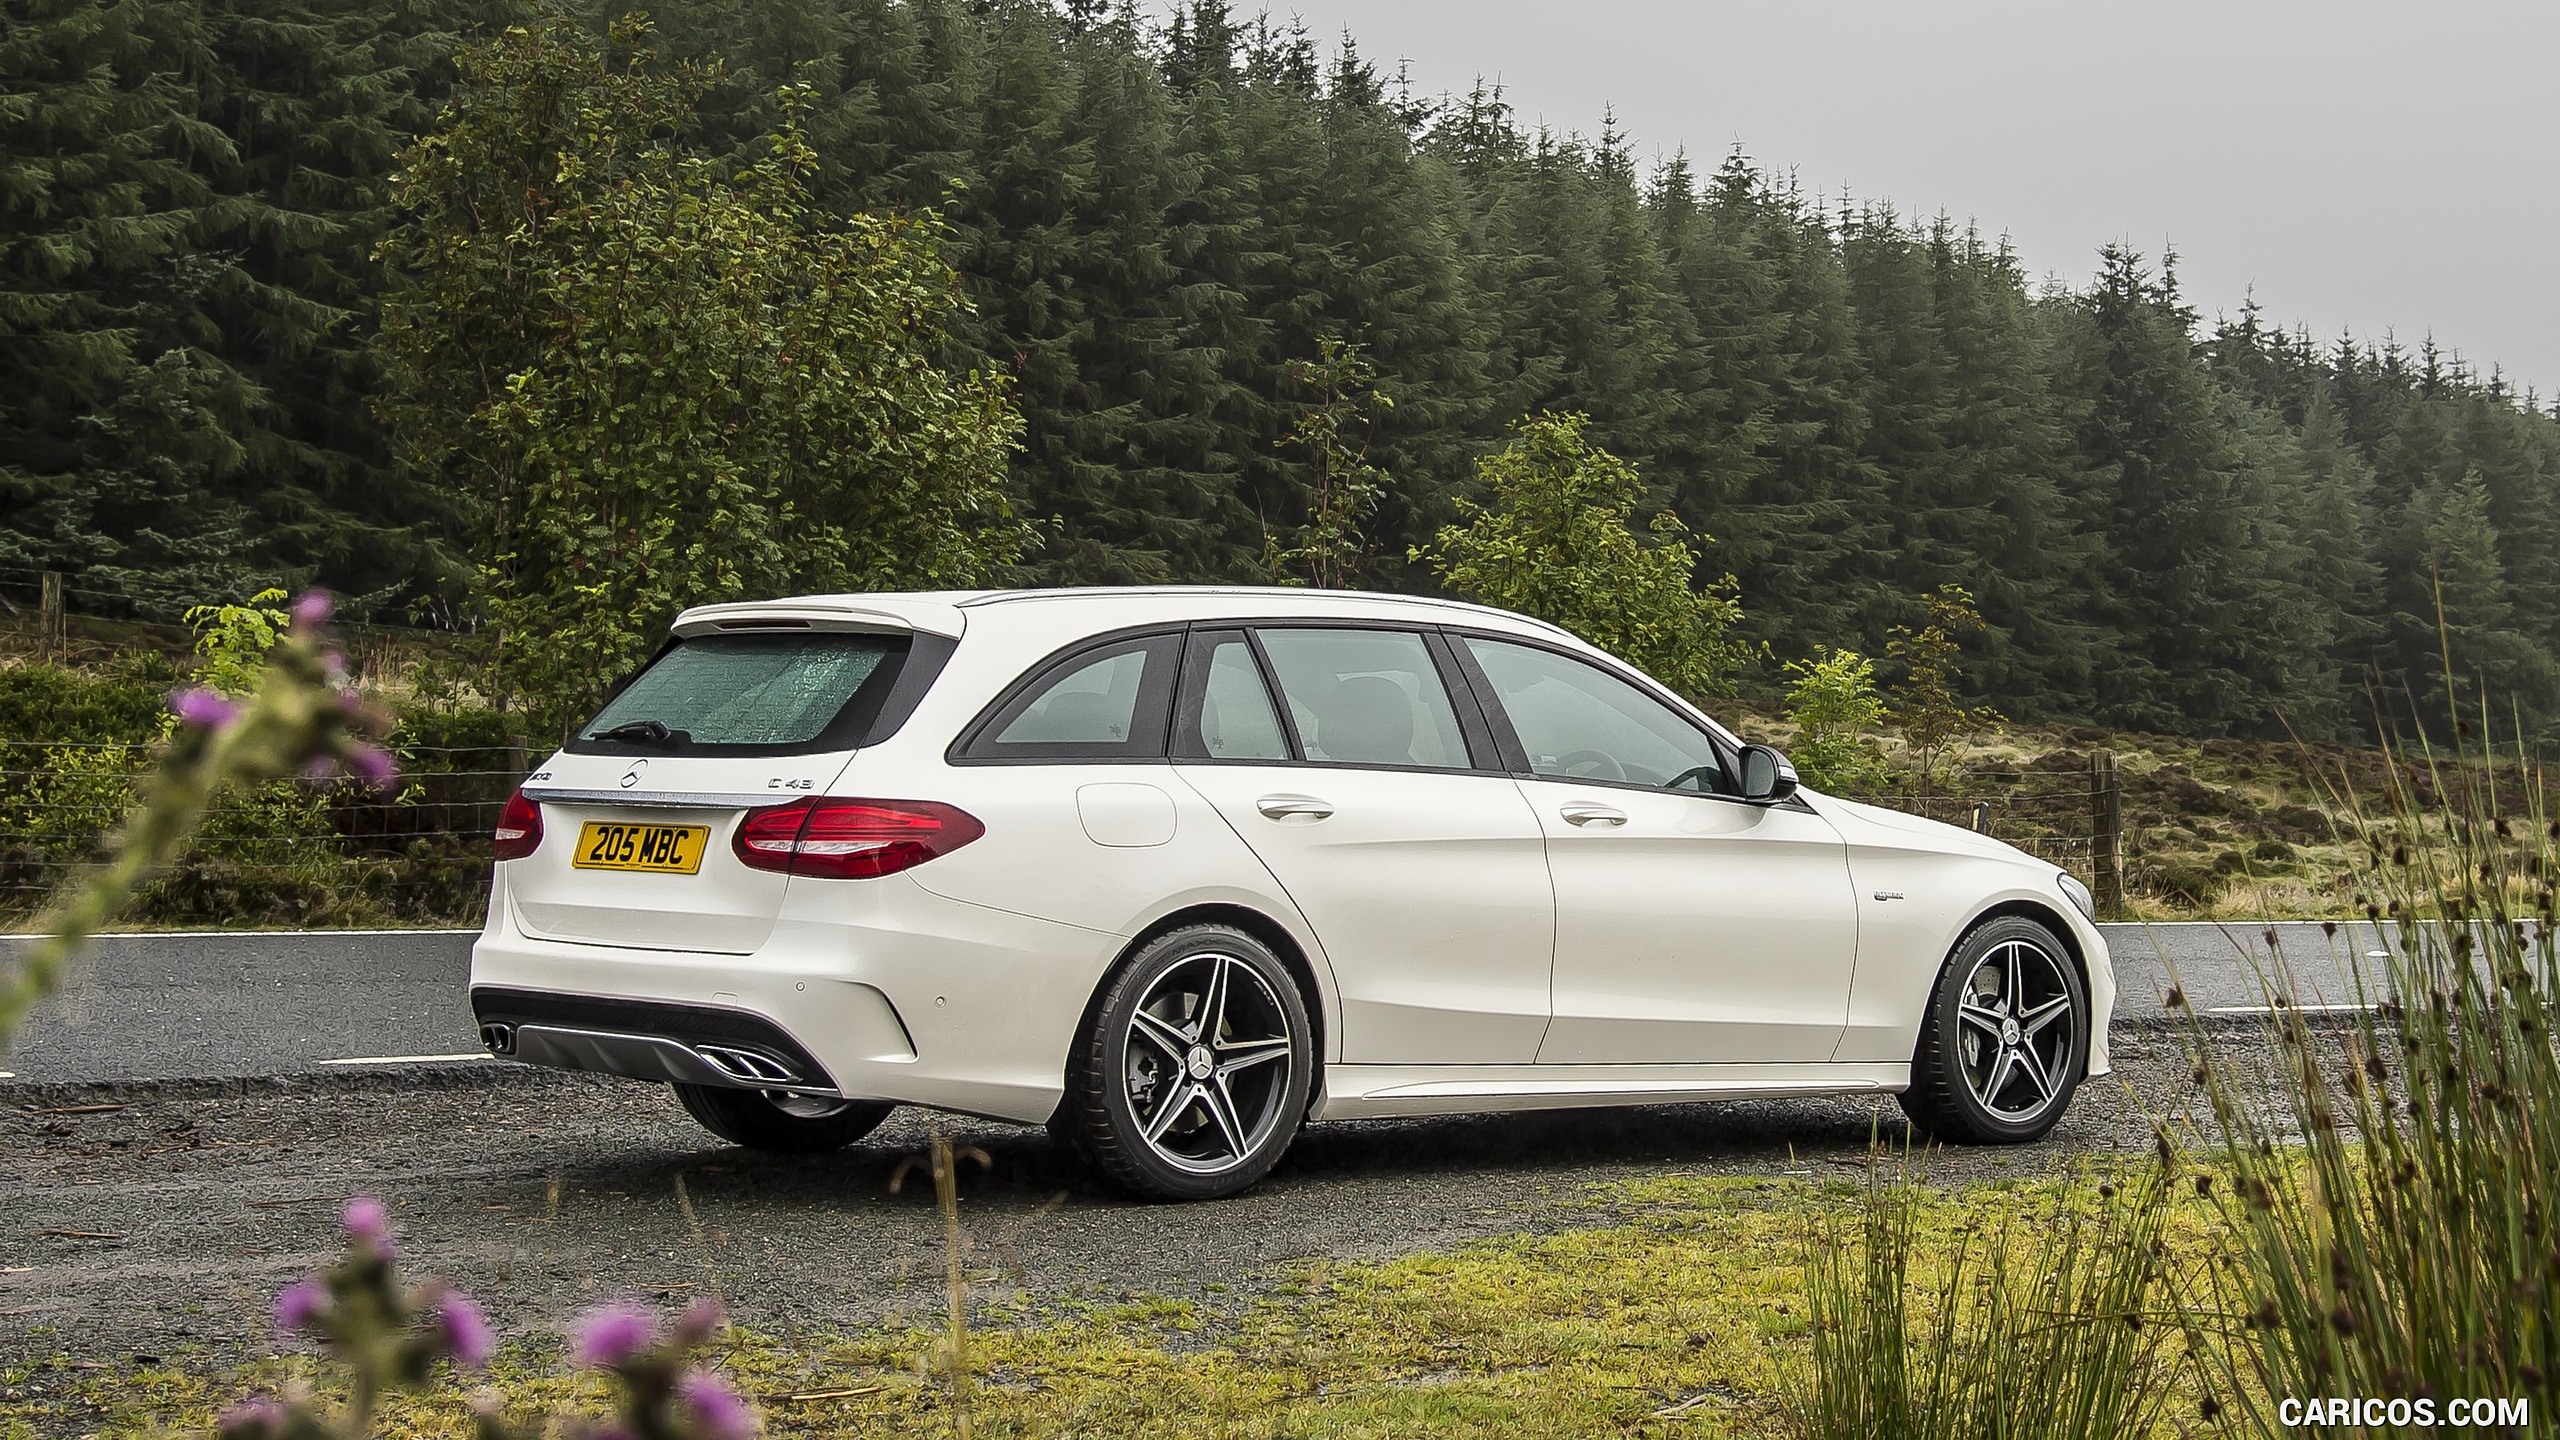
(648, 1057)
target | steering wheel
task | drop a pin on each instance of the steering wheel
(1699, 773)
(1606, 765)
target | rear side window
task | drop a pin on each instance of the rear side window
(757, 693)
(1106, 703)
(1366, 697)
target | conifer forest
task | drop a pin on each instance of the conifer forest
(2170, 522)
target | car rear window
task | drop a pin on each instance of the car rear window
(764, 692)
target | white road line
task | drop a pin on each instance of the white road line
(2280, 1009)
(408, 1059)
(8, 1074)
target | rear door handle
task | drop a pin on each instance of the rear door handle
(1293, 807)
(1587, 814)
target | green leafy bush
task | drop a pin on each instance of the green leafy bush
(1835, 707)
(659, 378)
(1559, 542)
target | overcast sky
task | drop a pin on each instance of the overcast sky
(2380, 167)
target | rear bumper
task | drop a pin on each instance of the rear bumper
(649, 1040)
(885, 992)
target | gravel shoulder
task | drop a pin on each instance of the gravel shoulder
(163, 1227)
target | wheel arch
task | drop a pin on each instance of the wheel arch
(1256, 923)
(2053, 921)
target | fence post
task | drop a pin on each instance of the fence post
(53, 634)
(2106, 832)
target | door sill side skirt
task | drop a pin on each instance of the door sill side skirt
(1354, 1092)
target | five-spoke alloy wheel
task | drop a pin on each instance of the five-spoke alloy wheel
(2004, 1040)
(1194, 1068)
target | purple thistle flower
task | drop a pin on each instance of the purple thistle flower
(612, 1335)
(722, 1415)
(701, 1319)
(299, 1304)
(464, 1330)
(312, 607)
(253, 1420)
(373, 765)
(203, 708)
(369, 1225)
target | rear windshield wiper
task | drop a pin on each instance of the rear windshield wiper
(645, 732)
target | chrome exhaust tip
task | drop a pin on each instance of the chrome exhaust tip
(498, 1039)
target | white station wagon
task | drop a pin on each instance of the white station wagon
(1176, 870)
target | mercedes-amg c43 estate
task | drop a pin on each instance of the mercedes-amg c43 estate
(1176, 871)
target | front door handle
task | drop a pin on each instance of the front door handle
(1293, 807)
(1588, 814)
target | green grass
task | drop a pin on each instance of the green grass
(1674, 1317)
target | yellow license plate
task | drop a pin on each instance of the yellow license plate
(669, 849)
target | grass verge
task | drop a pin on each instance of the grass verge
(1677, 1317)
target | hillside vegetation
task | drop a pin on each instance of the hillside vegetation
(2169, 526)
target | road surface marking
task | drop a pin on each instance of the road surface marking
(2280, 1009)
(408, 1059)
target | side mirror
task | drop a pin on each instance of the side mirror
(1767, 778)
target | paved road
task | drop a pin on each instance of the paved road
(221, 1006)
(158, 1221)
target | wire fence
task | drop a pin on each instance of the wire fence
(2051, 813)
(304, 852)
(72, 619)
(328, 852)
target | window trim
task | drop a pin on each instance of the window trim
(1156, 692)
(1190, 699)
(1728, 755)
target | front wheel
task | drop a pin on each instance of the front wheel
(1193, 1072)
(781, 1122)
(2005, 1038)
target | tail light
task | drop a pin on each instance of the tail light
(519, 831)
(852, 839)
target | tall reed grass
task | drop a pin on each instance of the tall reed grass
(2046, 1323)
(2390, 1210)
(2379, 1187)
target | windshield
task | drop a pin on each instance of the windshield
(765, 691)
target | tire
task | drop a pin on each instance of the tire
(784, 1124)
(2005, 1039)
(1192, 1073)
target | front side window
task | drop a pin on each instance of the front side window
(1102, 704)
(1366, 697)
(1579, 722)
(765, 692)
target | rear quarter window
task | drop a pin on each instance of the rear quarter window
(1101, 702)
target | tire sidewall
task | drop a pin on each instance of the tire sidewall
(1943, 1006)
(1135, 1165)
(748, 1118)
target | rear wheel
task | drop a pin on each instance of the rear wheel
(782, 1122)
(1193, 1073)
(2004, 1041)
